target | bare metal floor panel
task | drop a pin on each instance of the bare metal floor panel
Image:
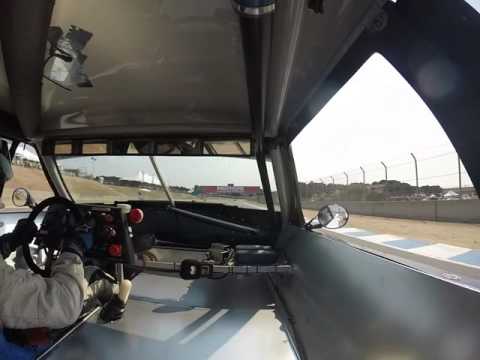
(169, 318)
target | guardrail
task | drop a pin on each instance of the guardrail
(463, 211)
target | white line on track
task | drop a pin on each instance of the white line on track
(346, 230)
(440, 251)
(381, 238)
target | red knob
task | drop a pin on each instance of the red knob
(135, 216)
(115, 250)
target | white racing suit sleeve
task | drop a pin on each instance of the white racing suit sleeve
(28, 300)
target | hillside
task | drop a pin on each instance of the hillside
(83, 190)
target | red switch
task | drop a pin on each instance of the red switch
(135, 216)
(115, 250)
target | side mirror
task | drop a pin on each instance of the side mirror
(22, 197)
(331, 216)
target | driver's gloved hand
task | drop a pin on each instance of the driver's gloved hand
(79, 243)
(24, 231)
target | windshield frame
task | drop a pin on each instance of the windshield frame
(261, 172)
(145, 146)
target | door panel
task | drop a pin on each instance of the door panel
(349, 304)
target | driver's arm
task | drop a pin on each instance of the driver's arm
(28, 300)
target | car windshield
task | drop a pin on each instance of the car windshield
(105, 179)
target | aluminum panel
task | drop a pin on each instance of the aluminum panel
(168, 318)
(155, 66)
(350, 304)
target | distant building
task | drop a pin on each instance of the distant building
(179, 189)
(71, 172)
(144, 178)
(230, 190)
(24, 157)
(451, 195)
(110, 180)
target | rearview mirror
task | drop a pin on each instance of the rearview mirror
(331, 216)
(22, 197)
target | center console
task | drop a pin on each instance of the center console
(111, 232)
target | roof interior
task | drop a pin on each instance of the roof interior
(177, 67)
(164, 66)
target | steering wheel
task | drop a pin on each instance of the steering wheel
(50, 236)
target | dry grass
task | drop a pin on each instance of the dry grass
(32, 179)
(464, 235)
(457, 234)
(85, 190)
(28, 178)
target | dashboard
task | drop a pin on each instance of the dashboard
(122, 231)
(173, 228)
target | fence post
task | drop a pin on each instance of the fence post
(386, 170)
(93, 165)
(459, 176)
(416, 172)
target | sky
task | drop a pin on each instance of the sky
(475, 4)
(375, 117)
